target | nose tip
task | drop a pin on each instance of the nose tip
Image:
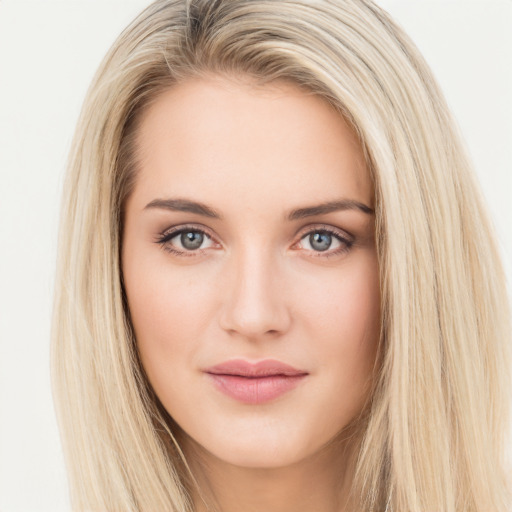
(255, 306)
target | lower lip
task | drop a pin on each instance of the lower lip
(255, 390)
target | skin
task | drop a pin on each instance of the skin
(257, 287)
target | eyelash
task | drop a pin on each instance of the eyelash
(166, 236)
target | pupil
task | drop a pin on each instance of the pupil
(191, 240)
(320, 241)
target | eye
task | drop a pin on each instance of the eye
(325, 242)
(190, 240)
(185, 241)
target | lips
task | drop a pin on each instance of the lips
(255, 383)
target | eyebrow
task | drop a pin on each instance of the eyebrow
(328, 207)
(186, 205)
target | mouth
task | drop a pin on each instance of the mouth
(255, 383)
(266, 368)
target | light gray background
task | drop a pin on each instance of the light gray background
(49, 50)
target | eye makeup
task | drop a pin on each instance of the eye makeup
(195, 240)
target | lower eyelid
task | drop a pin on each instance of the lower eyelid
(164, 242)
(345, 242)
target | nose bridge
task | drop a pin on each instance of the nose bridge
(254, 305)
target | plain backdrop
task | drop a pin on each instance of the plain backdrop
(49, 50)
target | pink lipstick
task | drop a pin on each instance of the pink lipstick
(255, 383)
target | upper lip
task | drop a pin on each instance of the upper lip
(259, 369)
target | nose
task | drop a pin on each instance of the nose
(254, 305)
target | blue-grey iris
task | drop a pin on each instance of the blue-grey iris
(320, 241)
(191, 239)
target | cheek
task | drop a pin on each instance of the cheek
(346, 302)
(161, 308)
(344, 312)
(168, 313)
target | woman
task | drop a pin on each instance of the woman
(277, 285)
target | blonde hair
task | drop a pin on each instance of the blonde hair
(434, 438)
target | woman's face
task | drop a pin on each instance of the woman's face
(249, 236)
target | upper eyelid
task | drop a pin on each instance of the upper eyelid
(328, 228)
(176, 230)
(302, 232)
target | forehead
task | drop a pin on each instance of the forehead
(242, 145)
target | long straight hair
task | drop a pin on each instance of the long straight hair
(434, 438)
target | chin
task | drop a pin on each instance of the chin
(255, 459)
(260, 453)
